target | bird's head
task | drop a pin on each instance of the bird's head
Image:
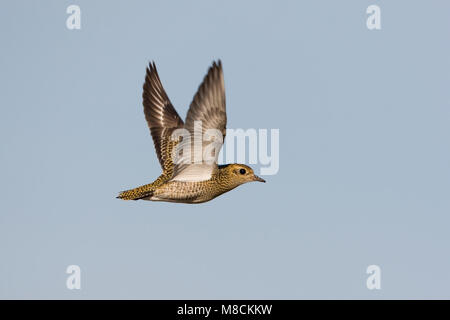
(240, 173)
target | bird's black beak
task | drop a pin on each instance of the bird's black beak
(256, 178)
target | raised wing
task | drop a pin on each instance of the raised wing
(161, 117)
(206, 122)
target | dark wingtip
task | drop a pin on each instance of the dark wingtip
(217, 64)
(151, 66)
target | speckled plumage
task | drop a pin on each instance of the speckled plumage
(184, 182)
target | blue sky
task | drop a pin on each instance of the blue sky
(364, 170)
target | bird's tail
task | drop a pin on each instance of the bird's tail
(137, 193)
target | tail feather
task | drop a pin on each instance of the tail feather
(145, 190)
(137, 193)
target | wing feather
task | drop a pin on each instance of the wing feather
(208, 107)
(161, 116)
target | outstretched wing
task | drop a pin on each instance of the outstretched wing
(208, 110)
(161, 117)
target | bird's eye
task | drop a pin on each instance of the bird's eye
(242, 171)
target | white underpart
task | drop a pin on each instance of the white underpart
(195, 173)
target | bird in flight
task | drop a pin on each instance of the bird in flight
(189, 176)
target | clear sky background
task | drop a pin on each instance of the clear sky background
(364, 150)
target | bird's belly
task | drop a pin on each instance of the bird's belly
(182, 191)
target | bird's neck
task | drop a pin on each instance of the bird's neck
(224, 179)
